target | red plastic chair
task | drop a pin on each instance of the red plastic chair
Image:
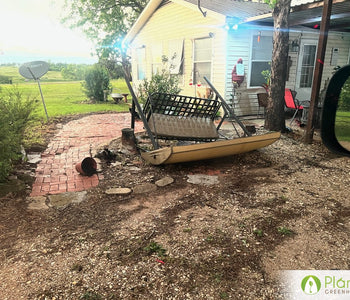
(292, 103)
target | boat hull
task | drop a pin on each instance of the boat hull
(178, 154)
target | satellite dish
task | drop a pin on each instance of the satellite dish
(34, 70)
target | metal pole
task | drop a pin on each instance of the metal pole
(316, 83)
(230, 110)
(137, 104)
(41, 93)
(42, 98)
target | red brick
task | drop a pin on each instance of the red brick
(36, 188)
(39, 179)
(71, 185)
(63, 178)
(55, 179)
(45, 188)
(62, 186)
(55, 192)
(54, 187)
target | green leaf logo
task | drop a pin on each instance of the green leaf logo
(310, 285)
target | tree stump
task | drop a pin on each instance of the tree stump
(129, 140)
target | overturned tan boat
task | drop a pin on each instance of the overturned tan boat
(178, 154)
(186, 118)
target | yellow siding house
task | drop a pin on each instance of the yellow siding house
(230, 42)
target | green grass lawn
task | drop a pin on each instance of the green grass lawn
(12, 71)
(62, 98)
(342, 126)
(66, 98)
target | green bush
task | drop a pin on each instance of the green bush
(161, 82)
(5, 79)
(96, 81)
(74, 72)
(15, 113)
(344, 99)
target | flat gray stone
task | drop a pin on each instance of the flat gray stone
(133, 169)
(118, 191)
(37, 203)
(62, 200)
(144, 188)
(164, 181)
(203, 179)
(34, 158)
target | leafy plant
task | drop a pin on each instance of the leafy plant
(284, 230)
(15, 114)
(161, 82)
(258, 232)
(96, 81)
(344, 98)
(74, 72)
(154, 247)
(91, 296)
(267, 76)
(5, 79)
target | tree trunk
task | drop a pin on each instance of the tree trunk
(275, 119)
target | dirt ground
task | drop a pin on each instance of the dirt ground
(282, 207)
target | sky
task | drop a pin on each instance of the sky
(31, 30)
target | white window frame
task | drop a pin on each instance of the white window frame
(141, 63)
(252, 60)
(175, 56)
(157, 53)
(209, 60)
(306, 42)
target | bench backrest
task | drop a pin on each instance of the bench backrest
(184, 117)
(181, 106)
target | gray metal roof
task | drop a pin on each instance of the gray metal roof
(303, 12)
(234, 8)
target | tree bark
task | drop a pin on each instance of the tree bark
(275, 119)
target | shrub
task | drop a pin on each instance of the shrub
(344, 99)
(161, 82)
(5, 79)
(15, 113)
(74, 72)
(96, 81)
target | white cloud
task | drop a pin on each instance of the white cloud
(34, 26)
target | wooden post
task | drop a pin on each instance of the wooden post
(316, 83)
(129, 140)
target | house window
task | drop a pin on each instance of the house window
(307, 66)
(261, 59)
(176, 56)
(141, 57)
(202, 55)
(157, 52)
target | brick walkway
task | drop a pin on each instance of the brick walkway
(56, 172)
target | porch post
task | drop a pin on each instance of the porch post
(316, 83)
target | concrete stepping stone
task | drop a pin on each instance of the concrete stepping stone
(164, 181)
(203, 179)
(144, 188)
(37, 203)
(62, 200)
(119, 191)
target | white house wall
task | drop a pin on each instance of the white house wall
(173, 21)
(239, 46)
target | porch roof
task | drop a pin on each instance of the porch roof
(235, 8)
(310, 15)
(306, 13)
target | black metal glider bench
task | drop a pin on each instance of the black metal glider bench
(183, 117)
(177, 117)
